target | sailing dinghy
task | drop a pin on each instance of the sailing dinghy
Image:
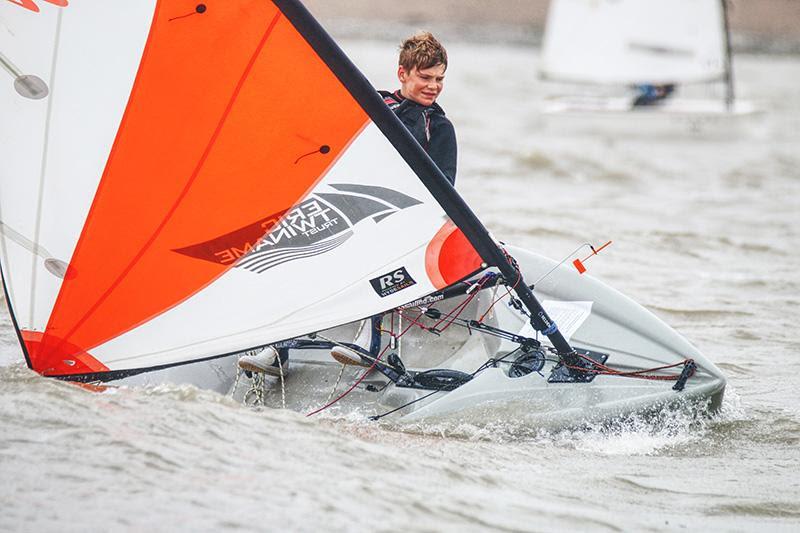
(168, 200)
(608, 46)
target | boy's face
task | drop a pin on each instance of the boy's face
(422, 85)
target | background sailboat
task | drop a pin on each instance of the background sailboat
(609, 46)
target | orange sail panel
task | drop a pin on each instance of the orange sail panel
(450, 257)
(177, 173)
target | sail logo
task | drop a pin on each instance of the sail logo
(322, 222)
(31, 4)
(392, 282)
(307, 219)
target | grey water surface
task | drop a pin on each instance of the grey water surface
(706, 232)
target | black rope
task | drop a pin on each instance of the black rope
(378, 417)
(490, 363)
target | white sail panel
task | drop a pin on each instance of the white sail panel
(27, 41)
(371, 217)
(55, 148)
(634, 41)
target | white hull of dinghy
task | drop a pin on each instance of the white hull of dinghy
(674, 117)
(633, 337)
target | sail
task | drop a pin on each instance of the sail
(182, 181)
(634, 41)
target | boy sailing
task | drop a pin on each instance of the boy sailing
(421, 71)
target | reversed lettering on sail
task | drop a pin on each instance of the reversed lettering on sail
(319, 224)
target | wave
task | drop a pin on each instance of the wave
(701, 314)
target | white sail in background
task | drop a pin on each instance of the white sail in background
(634, 41)
(168, 195)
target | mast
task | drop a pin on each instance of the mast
(729, 93)
(430, 175)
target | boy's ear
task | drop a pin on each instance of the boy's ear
(401, 74)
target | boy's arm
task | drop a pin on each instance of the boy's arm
(443, 149)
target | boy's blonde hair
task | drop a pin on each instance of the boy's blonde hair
(422, 51)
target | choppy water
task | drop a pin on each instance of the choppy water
(705, 234)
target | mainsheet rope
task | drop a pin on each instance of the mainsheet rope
(645, 373)
(361, 378)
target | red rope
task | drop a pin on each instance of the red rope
(454, 313)
(512, 262)
(365, 374)
(508, 293)
(603, 370)
(451, 316)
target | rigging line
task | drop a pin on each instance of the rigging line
(336, 385)
(513, 263)
(453, 314)
(239, 372)
(283, 384)
(43, 172)
(389, 331)
(363, 376)
(602, 369)
(375, 418)
(456, 311)
(488, 364)
(495, 299)
(602, 366)
(492, 362)
(354, 385)
(575, 251)
(466, 324)
(189, 183)
(415, 322)
(635, 375)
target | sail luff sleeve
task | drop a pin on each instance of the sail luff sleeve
(13, 316)
(419, 161)
(729, 88)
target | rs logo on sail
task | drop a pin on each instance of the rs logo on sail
(392, 282)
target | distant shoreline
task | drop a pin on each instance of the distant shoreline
(757, 26)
